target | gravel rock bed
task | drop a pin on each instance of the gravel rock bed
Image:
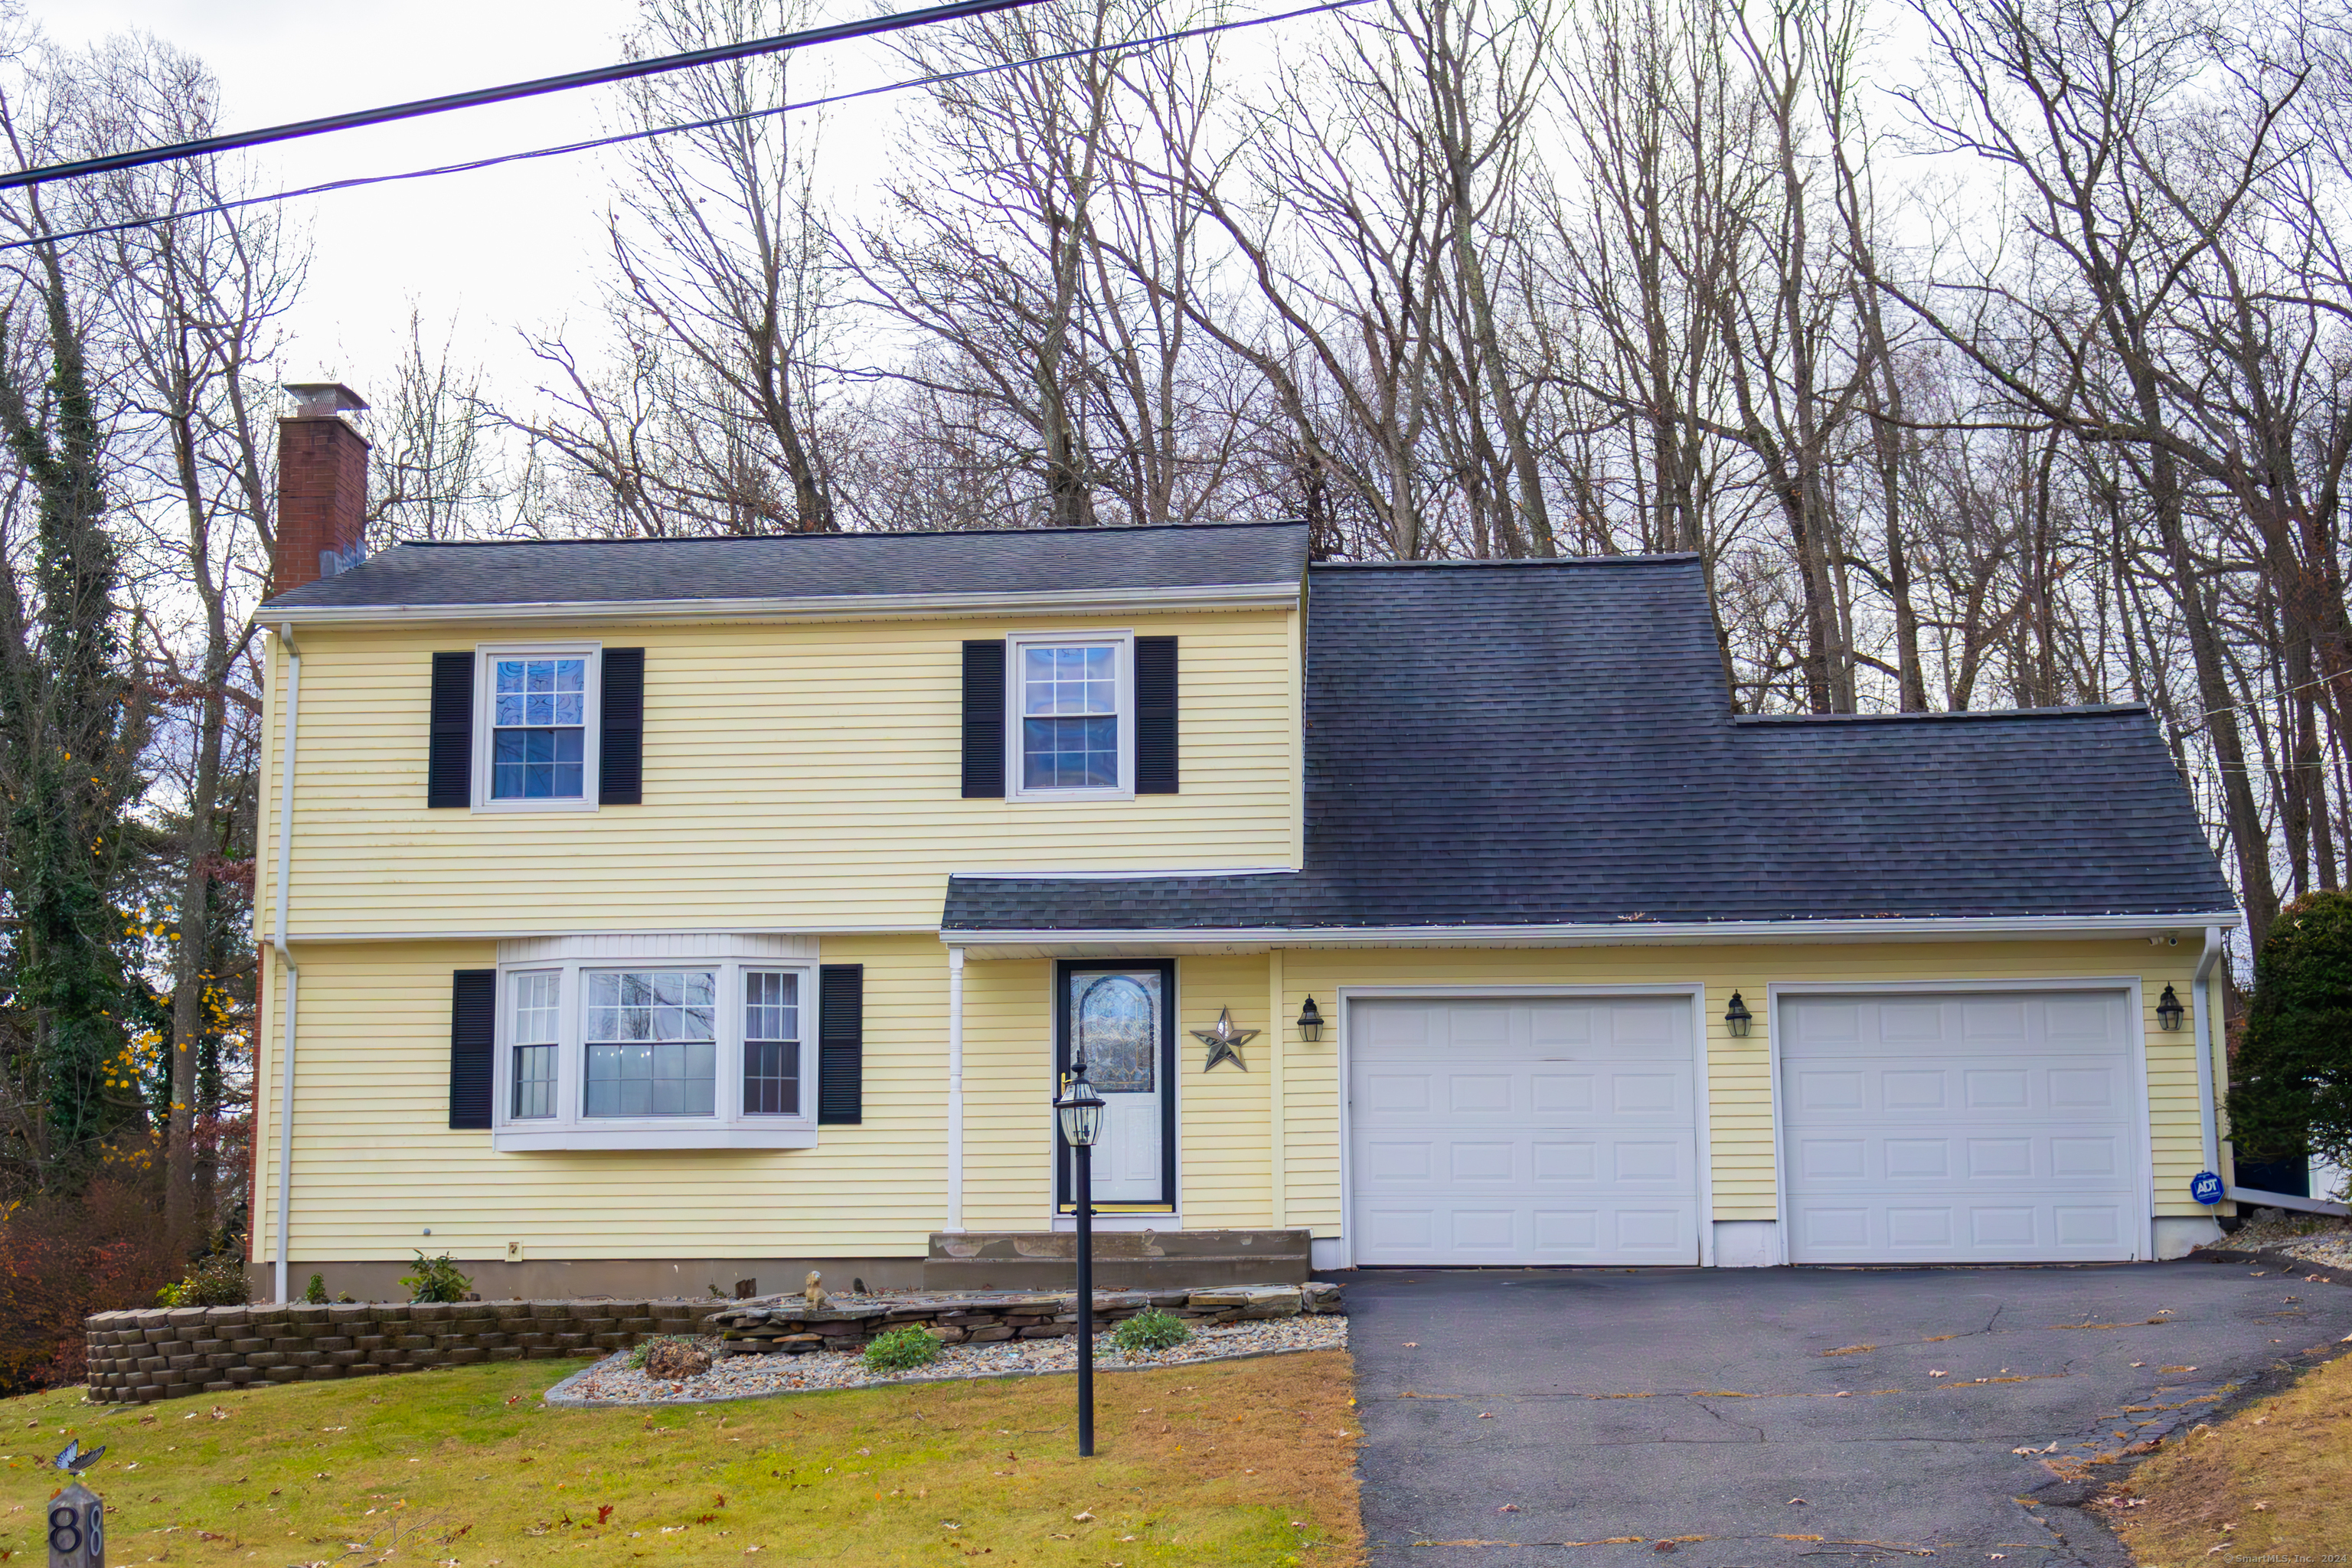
(613, 1382)
(2334, 1250)
(2315, 1238)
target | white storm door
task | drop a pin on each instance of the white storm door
(1116, 1016)
(1537, 1131)
(1970, 1127)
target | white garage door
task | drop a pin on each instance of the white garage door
(1959, 1128)
(1537, 1131)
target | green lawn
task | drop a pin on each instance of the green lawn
(1247, 1463)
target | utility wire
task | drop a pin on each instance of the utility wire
(1131, 46)
(627, 70)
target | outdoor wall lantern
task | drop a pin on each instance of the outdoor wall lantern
(1310, 1023)
(2168, 1010)
(1737, 1017)
(1079, 1110)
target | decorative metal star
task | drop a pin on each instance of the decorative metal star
(1224, 1041)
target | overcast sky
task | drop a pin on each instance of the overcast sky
(514, 245)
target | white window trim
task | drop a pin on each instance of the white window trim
(1014, 643)
(729, 1128)
(485, 656)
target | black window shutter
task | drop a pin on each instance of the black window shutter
(1155, 715)
(841, 1044)
(473, 1029)
(449, 757)
(984, 720)
(621, 745)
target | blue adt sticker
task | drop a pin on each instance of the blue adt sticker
(2205, 1187)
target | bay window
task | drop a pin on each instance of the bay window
(607, 1050)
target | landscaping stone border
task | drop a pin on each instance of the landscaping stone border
(171, 1353)
(781, 1325)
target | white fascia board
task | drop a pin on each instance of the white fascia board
(1632, 933)
(823, 607)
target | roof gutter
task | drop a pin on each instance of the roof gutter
(813, 607)
(286, 962)
(2200, 997)
(1626, 933)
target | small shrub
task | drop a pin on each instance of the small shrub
(217, 1281)
(436, 1279)
(902, 1349)
(315, 1293)
(1151, 1330)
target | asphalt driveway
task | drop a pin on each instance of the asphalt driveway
(1509, 1414)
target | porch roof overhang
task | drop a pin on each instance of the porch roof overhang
(1163, 942)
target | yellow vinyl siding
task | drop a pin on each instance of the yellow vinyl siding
(1008, 1089)
(375, 1162)
(804, 776)
(1225, 1142)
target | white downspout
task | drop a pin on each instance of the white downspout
(286, 960)
(955, 1089)
(2199, 992)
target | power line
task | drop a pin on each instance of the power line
(1130, 47)
(627, 70)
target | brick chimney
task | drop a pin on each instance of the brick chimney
(321, 486)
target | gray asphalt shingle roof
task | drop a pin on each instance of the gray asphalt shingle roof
(811, 565)
(1552, 743)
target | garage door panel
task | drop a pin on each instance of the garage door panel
(1549, 1130)
(1958, 1128)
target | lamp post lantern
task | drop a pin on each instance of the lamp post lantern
(1079, 1110)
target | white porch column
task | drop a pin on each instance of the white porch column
(955, 1089)
(1277, 1029)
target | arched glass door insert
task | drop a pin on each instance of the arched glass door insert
(1120, 1017)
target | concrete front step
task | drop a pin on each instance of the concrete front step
(1124, 1260)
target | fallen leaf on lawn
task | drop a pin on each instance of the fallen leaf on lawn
(2139, 1363)
(1082, 1516)
(1508, 1507)
(1486, 1416)
(2258, 1508)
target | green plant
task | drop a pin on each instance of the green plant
(315, 1293)
(1151, 1330)
(217, 1281)
(902, 1349)
(2293, 1093)
(436, 1279)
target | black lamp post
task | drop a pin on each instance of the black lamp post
(2169, 1010)
(1079, 1110)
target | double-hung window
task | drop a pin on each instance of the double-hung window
(1073, 712)
(535, 729)
(715, 1053)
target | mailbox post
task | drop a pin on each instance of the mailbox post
(77, 1528)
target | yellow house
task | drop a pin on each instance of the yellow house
(654, 914)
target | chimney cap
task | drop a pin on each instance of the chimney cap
(324, 399)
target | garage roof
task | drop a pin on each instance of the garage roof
(1552, 743)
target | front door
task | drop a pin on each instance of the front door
(1120, 1017)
